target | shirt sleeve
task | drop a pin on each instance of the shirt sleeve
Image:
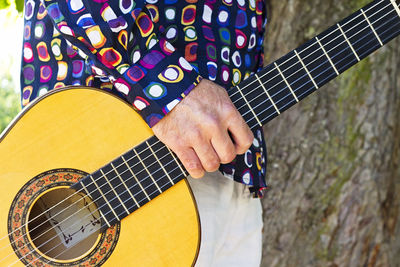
(123, 41)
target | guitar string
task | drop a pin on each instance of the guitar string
(60, 254)
(115, 177)
(305, 57)
(84, 239)
(312, 88)
(307, 91)
(367, 53)
(79, 191)
(80, 240)
(306, 75)
(327, 36)
(376, 4)
(304, 50)
(293, 100)
(358, 16)
(322, 56)
(69, 227)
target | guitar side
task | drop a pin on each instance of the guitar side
(83, 129)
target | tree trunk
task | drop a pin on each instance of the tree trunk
(333, 161)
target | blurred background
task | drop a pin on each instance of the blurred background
(334, 159)
(11, 25)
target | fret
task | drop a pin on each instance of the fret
(305, 68)
(287, 83)
(258, 100)
(154, 169)
(266, 92)
(115, 193)
(184, 172)
(82, 185)
(132, 160)
(372, 27)
(131, 181)
(396, 7)
(104, 218)
(148, 172)
(85, 189)
(278, 91)
(104, 197)
(316, 62)
(337, 49)
(385, 20)
(296, 76)
(147, 181)
(159, 163)
(93, 199)
(240, 103)
(248, 104)
(106, 191)
(359, 32)
(125, 186)
(348, 42)
(118, 188)
(167, 161)
(327, 56)
(91, 190)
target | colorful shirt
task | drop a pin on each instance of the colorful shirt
(150, 53)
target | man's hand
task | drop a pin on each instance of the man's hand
(198, 128)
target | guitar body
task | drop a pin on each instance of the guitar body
(68, 133)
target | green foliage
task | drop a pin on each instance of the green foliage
(4, 4)
(17, 4)
(9, 101)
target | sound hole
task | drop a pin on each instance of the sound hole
(64, 225)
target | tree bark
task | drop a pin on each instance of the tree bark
(333, 162)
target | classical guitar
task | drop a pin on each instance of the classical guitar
(58, 208)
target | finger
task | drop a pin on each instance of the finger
(207, 155)
(241, 134)
(224, 147)
(190, 161)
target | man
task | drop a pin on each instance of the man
(167, 58)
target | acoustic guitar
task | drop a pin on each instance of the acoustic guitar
(59, 208)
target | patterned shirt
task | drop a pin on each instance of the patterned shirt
(150, 53)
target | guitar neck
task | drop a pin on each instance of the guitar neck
(151, 168)
(285, 82)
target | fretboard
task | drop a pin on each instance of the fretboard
(141, 174)
(285, 82)
(132, 180)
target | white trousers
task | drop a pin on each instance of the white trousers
(231, 222)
